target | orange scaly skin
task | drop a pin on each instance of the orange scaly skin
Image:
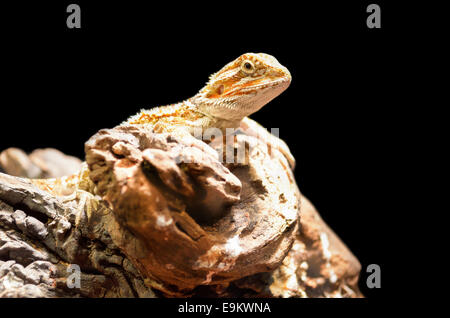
(168, 118)
(58, 186)
(238, 90)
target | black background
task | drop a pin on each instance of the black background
(340, 116)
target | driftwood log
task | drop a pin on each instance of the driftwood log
(168, 218)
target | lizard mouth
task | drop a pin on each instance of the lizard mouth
(282, 82)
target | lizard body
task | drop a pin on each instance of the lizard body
(238, 90)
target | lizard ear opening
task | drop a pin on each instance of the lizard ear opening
(215, 91)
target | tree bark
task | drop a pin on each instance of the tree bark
(168, 218)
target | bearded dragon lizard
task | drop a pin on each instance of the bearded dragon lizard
(238, 90)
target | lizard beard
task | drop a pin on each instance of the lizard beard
(235, 108)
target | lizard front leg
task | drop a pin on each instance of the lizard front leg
(86, 204)
(75, 188)
(85, 194)
(252, 128)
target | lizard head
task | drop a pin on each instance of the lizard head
(243, 86)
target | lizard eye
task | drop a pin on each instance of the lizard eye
(247, 67)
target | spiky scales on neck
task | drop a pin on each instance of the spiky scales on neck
(238, 90)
